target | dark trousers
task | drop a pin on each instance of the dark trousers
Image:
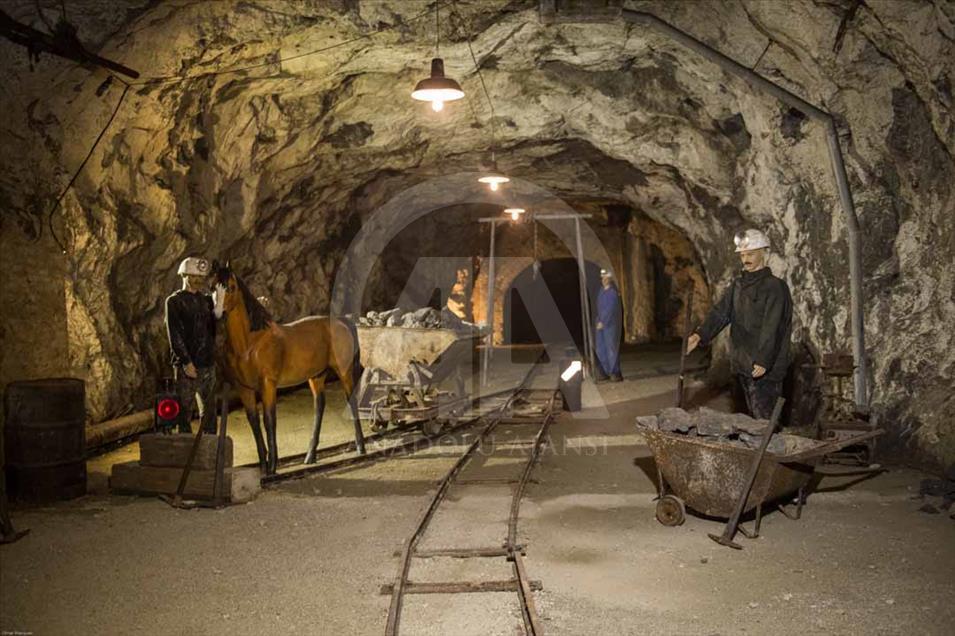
(608, 351)
(760, 394)
(200, 390)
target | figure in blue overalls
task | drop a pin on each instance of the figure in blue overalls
(609, 325)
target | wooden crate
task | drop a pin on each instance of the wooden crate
(240, 484)
(172, 451)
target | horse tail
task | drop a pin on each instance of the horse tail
(356, 360)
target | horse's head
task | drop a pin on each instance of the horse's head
(227, 293)
(236, 295)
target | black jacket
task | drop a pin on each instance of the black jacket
(191, 326)
(758, 308)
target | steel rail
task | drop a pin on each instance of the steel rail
(516, 552)
(339, 449)
(401, 578)
(411, 446)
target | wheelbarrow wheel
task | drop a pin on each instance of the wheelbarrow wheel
(671, 511)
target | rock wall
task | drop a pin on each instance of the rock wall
(277, 166)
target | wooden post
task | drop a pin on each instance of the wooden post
(490, 307)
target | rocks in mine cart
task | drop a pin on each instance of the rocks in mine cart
(450, 320)
(369, 320)
(675, 420)
(390, 318)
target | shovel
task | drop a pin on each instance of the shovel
(733, 524)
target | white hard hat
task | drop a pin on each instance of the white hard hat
(750, 240)
(606, 272)
(194, 266)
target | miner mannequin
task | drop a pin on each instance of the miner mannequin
(758, 308)
(191, 326)
(609, 325)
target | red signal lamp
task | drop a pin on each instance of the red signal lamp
(167, 409)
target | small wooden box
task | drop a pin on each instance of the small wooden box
(240, 484)
(172, 451)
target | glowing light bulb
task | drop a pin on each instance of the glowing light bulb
(515, 213)
(494, 186)
(437, 105)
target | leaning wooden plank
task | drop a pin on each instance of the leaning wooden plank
(241, 484)
(172, 451)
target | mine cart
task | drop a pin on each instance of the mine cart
(708, 475)
(406, 372)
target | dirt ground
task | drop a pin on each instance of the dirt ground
(310, 556)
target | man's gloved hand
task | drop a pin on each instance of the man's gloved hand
(692, 342)
(600, 325)
(190, 371)
(758, 371)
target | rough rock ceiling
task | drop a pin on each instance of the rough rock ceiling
(278, 166)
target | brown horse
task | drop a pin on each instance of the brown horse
(262, 356)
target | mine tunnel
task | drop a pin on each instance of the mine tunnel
(555, 284)
(311, 271)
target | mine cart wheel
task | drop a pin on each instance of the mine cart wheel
(671, 511)
(432, 428)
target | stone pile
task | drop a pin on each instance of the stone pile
(424, 318)
(735, 429)
(939, 493)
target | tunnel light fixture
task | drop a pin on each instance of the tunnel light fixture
(494, 180)
(493, 177)
(572, 369)
(515, 213)
(437, 89)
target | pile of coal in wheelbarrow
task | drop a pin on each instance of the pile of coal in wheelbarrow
(734, 429)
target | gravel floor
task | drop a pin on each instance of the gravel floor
(310, 556)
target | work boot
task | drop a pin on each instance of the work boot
(616, 377)
(600, 377)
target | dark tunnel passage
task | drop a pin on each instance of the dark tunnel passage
(531, 300)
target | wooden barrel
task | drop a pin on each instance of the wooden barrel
(45, 439)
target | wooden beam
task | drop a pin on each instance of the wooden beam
(172, 451)
(461, 587)
(240, 484)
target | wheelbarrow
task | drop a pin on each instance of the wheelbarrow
(404, 370)
(708, 475)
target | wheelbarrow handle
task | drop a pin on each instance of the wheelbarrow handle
(829, 447)
(730, 531)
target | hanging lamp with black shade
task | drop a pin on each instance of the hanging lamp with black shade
(437, 89)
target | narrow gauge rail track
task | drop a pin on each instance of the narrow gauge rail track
(510, 549)
(409, 440)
